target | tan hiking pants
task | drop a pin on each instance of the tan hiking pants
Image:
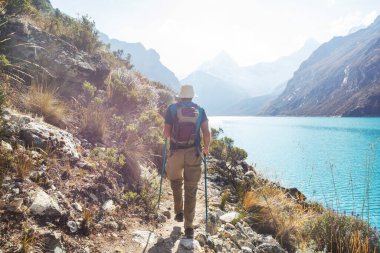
(184, 165)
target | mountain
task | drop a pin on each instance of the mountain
(253, 105)
(145, 61)
(220, 94)
(238, 83)
(341, 78)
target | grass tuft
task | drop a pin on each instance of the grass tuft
(43, 101)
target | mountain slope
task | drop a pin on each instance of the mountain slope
(340, 78)
(239, 83)
(215, 94)
(145, 61)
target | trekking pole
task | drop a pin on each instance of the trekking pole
(206, 202)
(162, 174)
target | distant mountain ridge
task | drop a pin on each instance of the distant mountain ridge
(341, 78)
(233, 83)
(145, 61)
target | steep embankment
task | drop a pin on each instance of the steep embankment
(341, 78)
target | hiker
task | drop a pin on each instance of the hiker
(183, 122)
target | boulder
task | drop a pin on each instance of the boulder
(42, 135)
(190, 244)
(44, 205)
(144, 237)
(270, 248)
(5, 146)
(229, 217)
(63, 61)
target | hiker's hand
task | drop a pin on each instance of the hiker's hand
(205, 151)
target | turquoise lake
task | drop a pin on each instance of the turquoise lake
(335, 161)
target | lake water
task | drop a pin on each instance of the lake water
(335, 161)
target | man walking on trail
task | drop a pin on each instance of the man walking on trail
(183, 122)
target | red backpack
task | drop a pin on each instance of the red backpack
(186, 125)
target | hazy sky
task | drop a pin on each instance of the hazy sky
(188, 32)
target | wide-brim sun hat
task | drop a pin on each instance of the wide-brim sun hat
(187, 91)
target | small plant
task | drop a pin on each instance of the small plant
(87, 221)
(23, 163)
(226, 194)
(6, 160)
(89, 90)
(28, 238)
(43, 101)
(94, 123)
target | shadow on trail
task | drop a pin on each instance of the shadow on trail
(166, 245)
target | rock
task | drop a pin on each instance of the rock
(63, 61)
(15, 205)
(16, 191)
(45, 136)
(5, 146)
(250, 174)
(112, 225)
(144, 237)
(269, 248)
(218, 245)
(160, 218)
(246, 250)
(73, 226)
(53, 242)
(229, 217)
(166, 214)
(109, 206)
(229, 226)
(201, 238)
(85, 165)
(78, 207)
(190, 244)
(44, 205)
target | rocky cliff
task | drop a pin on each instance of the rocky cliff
(341, 78)
(146, 61)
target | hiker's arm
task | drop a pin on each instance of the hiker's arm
(167, 130)
(206, 137)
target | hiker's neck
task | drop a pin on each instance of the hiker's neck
(185, 99)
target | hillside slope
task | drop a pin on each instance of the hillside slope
(341, 78)
(145, 61)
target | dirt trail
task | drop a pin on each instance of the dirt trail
(162, 238)
(171, 232)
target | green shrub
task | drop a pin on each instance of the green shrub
(43, 5)
(18, 6)
(6, 160)
(89, 90)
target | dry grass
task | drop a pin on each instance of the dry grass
(43, 101)
(23, 163)
(340, 233)
(94, 124)
(272, 212)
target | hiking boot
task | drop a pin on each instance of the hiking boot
(189, 233)
(178, 217)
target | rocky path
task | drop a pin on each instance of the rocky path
(169, 235)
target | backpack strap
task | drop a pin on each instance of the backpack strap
(198, 126)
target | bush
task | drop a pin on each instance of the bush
(43, 101)
(94, 123)
(89, 90)
(2, 103)
(340, 233)
(18, 6)
(6, 159)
